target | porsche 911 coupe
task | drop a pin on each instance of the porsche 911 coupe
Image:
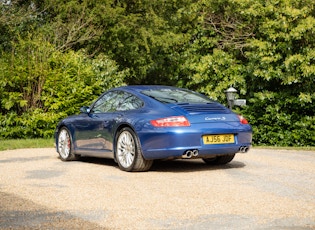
(136, 125)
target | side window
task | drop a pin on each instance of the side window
(130, 102)
(116, 101)
(106, 103)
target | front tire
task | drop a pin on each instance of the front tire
(128, 152)
(219, 160)
(65, 146)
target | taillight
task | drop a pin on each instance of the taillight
(170, 122)
(242, 120)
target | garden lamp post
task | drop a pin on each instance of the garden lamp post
(230, 95)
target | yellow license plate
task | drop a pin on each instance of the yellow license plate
(218, 139)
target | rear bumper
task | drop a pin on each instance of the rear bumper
(174, 142)
(202, 153)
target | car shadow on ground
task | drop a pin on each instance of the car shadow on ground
(191, 166)
(99, 161)
(170, 165)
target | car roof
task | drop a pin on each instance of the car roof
(139, 88)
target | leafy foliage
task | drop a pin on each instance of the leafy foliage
(46, 85)
(265, 49)
(281, 68)
(59, 55)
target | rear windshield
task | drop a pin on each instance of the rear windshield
(176, 96)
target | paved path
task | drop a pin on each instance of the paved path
(263, 189)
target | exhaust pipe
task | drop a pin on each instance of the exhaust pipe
(190, 153)
(187, 154)
(243, 149)
(195, 153)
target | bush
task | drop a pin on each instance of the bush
(46, 85)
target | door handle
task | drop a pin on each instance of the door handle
(105, 124)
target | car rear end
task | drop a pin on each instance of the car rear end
(199, 130)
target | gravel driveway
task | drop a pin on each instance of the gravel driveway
(263, 189)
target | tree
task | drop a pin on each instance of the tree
(266, 49)
(52, 50)
(281, 72)
(147, 37)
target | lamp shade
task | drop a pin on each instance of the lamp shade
(230, 93)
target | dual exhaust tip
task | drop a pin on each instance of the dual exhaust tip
(190, 153)
(243, 149)
(194, 153)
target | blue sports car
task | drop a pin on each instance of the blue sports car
(136, 125)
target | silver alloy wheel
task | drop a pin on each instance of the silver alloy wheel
(64, 144)
(126, 149)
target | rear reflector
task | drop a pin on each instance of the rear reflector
(171, 122)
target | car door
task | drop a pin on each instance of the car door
(94, 133)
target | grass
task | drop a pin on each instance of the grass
(26, 143)
(307, 148)
(49, 143)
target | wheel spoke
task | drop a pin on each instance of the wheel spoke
(64, 144)
(125, 149)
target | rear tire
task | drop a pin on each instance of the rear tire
(65, 145)
(219, 160)
(128, 152)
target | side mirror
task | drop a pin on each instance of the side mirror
(85, 109)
